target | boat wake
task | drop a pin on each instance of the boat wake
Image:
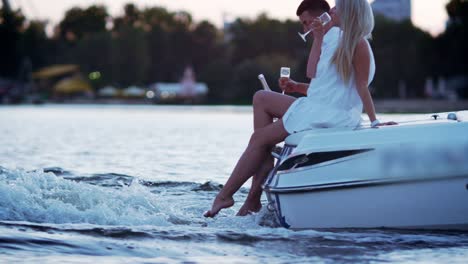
(54, 195)
(54, 211)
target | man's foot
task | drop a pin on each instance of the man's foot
(218, 204)
(248, 208)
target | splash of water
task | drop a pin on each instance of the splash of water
(46, 198)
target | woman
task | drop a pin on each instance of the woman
(341, 66)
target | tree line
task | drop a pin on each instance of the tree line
(153, 44)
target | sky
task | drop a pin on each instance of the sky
(429, 15)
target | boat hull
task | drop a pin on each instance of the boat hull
(424, 204)
(412, 176)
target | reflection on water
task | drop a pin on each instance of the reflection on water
(198, 144)
(130, 184)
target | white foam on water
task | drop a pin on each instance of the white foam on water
(433, 255)
(45, 198)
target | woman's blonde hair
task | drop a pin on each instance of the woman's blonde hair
(357, 22)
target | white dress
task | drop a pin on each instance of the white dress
(330, 102)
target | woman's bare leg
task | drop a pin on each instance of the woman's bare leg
(267, 105)
(253, 203)
(250, 161)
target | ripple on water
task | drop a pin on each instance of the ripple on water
(54, 210)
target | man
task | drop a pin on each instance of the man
(307, 12)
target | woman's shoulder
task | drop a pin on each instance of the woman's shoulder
(362, 52)
(363, 48)
(363, 42)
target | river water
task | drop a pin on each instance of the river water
(120, 184)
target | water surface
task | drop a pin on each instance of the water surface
(130, 183)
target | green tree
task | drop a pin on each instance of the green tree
(403, 54)
(207, 45)
(458, 13)
(11, 24)
(244, 82)
(129, 57)
(35, 44)
(453, 44)
(94, 53)
(79, 22)
(218, 75)
(131, 17)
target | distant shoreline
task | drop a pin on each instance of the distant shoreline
(382, 106)
(419, 106)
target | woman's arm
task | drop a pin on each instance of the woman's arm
(361, 64)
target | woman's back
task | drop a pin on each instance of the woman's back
(330, 101)
(328, 87)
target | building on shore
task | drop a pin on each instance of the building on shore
(397, 10)
(186, 91)
(58, 82)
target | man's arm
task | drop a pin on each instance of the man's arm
(314, 58)
(318, 31)
(290, 86)
(301, 88)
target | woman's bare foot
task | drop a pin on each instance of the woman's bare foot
(218, 204)
(249, 208)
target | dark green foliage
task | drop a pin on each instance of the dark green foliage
(10, 40)
(80, 22)
(149, 45)
(451, 46)
(403, 53)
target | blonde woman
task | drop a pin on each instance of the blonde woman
(341, 66)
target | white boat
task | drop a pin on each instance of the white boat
(409, 176)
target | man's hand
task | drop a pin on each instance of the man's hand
(287, 85)
(318, 30)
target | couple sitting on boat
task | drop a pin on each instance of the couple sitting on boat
(341, 66)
